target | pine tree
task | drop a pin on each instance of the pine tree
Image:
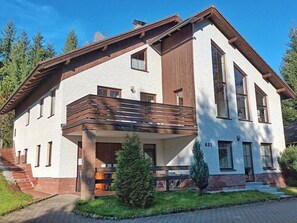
(8, 37)
(199, 169)
(289, 72)
(134, 182)
(37, 52)
(50, 50)
(71, 42)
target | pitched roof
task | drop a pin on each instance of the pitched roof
(41, 71)
(291, 133)
(236, 40)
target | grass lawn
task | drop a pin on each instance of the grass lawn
(177, 201)
(11, 199)
(289, 190)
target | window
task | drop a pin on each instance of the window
(28, 117)
(225, 155)
(241, 95)
(108, 92)
(26, 155)
(219, 80)
(19, 157)
(49, 154)
(149, 151)
(147, 97)
(41, 107)
(138, 60)
(179, 97)
(261, 99)
(266, 156)
(53, 101)
(37, 156)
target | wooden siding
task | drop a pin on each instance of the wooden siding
(129, 115)
(87, 61)
(177, 66)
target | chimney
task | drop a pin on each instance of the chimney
(138, 23)
(98, 37)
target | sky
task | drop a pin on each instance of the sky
(264, 24)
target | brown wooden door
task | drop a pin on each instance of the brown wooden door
(248, 161)
(106, 153)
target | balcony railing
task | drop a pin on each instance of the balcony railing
(125, 112)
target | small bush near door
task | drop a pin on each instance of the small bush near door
(288, 165)
(134, 182)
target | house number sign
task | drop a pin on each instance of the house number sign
(208, 144)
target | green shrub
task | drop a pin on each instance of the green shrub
(134, 182)
(199, 169)
(288, 164)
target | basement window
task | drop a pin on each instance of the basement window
(26, 155)
(139, 60)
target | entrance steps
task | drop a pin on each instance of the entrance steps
(259, 186)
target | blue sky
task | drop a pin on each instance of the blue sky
(263, 23)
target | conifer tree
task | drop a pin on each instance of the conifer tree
(134, 182)
(71, 42)
(199, 169)
(289, 72)
(7, 40)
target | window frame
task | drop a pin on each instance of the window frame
(53, 103)
(231, 156)
(223, 77)
(265, 155)
(28, 117)
(178, 98)
(25, 155)
(144, 51)
(240, 71)
(37, 156)
(49, 154)
(41, 103)
(144, 94)
(108, 89)
(261, 92)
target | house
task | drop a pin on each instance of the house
(291, 133)
(172, 82)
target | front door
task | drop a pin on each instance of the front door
(149, 151)
(79, 166)
(248, 161)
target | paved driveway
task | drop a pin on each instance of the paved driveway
(57, 210)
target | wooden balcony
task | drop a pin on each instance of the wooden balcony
(118, 114)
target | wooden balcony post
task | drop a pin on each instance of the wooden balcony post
(88, 164)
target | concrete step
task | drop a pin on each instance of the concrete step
(256, 187)
(253, 183)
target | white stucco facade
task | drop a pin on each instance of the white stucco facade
(117, 73)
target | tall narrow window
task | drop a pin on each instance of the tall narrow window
(225, 155)
(261, 99)
(19, 157)
(53, 102)
(267, 159)
(37, 156)
(26, 155)
(109, 92)
(147, 97)
(49, 154)
(41, 107)
(179, 97)
(241, 95)
(219, 81)
(28, 117)
(139, 61)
